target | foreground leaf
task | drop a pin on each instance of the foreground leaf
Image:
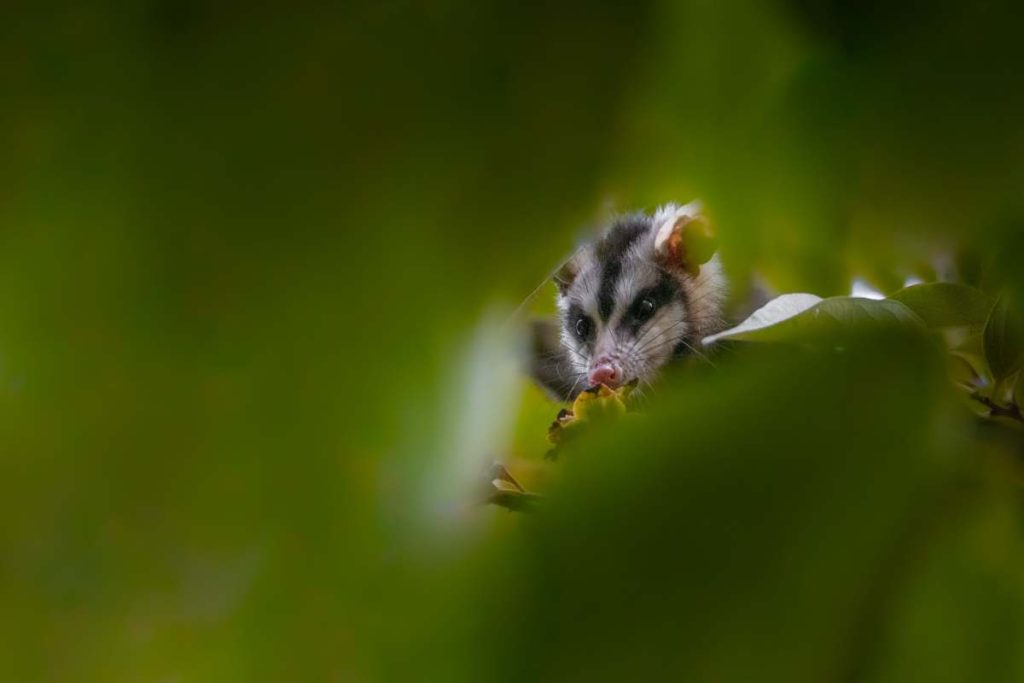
(945, 304)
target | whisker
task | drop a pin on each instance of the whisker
(661, 340)
(644, 349)
(572, 389)
(658, 337)
(658, 343)
(644, 337)
(697, 353)
(700, 355)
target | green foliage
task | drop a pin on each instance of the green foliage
(821, 319)
(257, 268)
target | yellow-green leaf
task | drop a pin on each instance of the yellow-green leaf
(1004, 340)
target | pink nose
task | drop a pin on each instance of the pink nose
(605, 373)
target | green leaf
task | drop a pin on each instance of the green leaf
(1018, 391)
(1004, 340)
(964, 369)
(946, 304)
(802, 316)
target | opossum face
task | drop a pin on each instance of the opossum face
(625, 310)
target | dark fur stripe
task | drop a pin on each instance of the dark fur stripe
(606, 293)
(666, 290)
(610, 250)
(622, 235)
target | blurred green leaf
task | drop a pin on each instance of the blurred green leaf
(955, 611)
(1004, 340)
(794, 317)
(770, 534)
(946, 304)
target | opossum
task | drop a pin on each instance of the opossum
(643, 294)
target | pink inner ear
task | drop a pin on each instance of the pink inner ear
(685, 242)
(664, 233)
(668, 240)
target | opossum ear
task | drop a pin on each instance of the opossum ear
(566, 275)
(683, 238)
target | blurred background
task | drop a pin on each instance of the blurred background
(256, 266)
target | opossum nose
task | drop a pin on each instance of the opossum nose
(605, 372)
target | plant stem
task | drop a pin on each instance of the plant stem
(1011, 410)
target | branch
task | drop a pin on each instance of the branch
(1011, 410)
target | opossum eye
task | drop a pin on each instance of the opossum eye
(645, 308)
(583, 328)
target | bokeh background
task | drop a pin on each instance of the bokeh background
(257, 263)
